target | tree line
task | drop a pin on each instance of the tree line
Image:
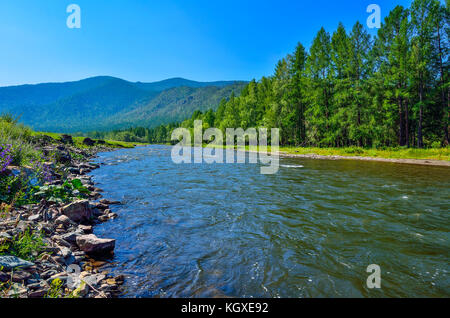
(349, 89)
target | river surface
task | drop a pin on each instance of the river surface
(311, 230)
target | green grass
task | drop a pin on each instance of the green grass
(18, 136)
(27, 246)
(391, 153)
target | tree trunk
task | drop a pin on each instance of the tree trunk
(401, 135)
(407, 124)
(419, 129)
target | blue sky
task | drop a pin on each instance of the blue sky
(147, 40)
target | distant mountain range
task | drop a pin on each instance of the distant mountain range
(105, 103)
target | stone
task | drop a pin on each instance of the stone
(91, 244)
(6, 236)
(108, 202)
(78, 211)
(63, 219)
(4, 277)
(120, 279)
(34, 217)
(101, 206)
(88, 142)
(65, 252)
(48, 274)
(38, 293)
(71, 237)
(103, 218)
(81, 291)
(112, 215)
(87, 229)
(11, 262)
(94, 280)
(98, 263)
(66, 139)
(23, 226)
(17, 290)
(20, 276)
(111, 281)
(60, 240)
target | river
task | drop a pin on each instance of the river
(311, 230)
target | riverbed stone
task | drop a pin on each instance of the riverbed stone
(11, 262)
(91, 244)
(63, 219)
(78, 211)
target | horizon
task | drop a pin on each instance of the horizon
(150, 42)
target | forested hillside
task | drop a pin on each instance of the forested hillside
(105, 103)
(349, 89)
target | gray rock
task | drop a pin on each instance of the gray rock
(91, 244)
(64, 220)
(71, 237)
(34, 218)
(4, 277)
(94, 280)
(38, 293)
(6, 236)
(65, 251)
(11, 262)
(17, 290)
(78, 211)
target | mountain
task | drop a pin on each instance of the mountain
(104, 103)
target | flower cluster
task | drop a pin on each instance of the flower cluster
(5, 157)
(43, 171)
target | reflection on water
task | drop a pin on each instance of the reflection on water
(309, 231)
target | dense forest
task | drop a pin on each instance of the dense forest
(349, 89)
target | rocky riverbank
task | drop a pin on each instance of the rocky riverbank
(62, 256)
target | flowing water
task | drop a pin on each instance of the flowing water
(311, 230)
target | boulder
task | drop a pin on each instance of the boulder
(12, 262)
(88, 142)
(78, 211)
(71, 237)
(66, 139)
(91, 244)
(63, 219)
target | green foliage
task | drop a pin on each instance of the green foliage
(16, 190)
(27, 246)
(56, 289)
(64, 193)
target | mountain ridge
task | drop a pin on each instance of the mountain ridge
(106, 102)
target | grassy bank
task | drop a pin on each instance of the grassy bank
(78, 141)
(390, 153)
(442, 154)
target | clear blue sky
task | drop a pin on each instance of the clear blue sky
(148, 40)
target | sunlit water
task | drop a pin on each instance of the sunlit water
(309, 231)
